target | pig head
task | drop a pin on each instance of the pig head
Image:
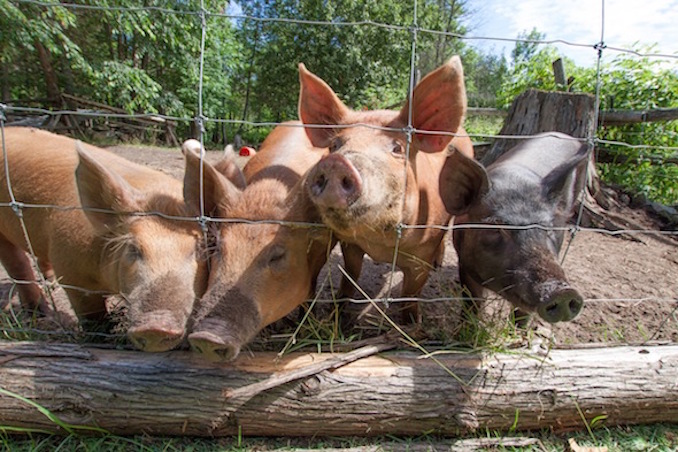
(373, 181)
(516, 228)
(103, 227)
(266, 252)
(152, 261)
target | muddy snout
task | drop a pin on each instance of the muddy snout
(213, 340)
(159, 331)
(334, 182)
(214, 347)
(559, 303)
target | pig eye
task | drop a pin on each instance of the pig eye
(492, 237)
(398, 149)
(133, 252)
(336, 144)
(276, 256)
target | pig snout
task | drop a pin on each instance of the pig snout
(159, 332)
(158, 312)
(559, 303)
(227, 320)
(334, 182)
(219, 340)
(214, 347)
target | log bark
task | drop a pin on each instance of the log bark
(177, 393)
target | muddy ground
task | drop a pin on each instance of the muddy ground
(630, 284)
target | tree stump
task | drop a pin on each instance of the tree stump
(537, 111)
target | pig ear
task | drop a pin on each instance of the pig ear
(463, 182)
(438, 104)
(103, 193)
(230, 169)
(217, 190)
(319, 105)
(564, 183)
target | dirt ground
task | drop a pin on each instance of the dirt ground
(630, 285)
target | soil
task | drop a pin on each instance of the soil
(630, 283)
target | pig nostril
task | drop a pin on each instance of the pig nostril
(575, 307)
(552, 312)
(319, 184)
(347, 184)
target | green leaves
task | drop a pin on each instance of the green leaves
(627, 82)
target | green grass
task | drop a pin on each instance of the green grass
(658, 437)
(486, 126)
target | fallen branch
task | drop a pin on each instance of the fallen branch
(177, 393)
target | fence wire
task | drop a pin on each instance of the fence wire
(204, 15)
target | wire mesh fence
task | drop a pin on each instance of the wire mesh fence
(410, 31)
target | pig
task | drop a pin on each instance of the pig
(537, 182)
(369, 184)
(78, 200)
(259, 272)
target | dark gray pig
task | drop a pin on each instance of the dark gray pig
(538, 182)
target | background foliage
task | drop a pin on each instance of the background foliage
(148, 61)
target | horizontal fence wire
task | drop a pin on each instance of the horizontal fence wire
(204, 15)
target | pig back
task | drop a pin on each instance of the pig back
(286, 155)
(539, 156)
(42, 169)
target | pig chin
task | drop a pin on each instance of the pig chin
(224, 324)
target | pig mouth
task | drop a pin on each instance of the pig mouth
(553, 301)
(214, 347)
(343, 219)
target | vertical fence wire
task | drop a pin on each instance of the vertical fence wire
(18, 210)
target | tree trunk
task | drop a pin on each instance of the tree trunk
(250, 70)
(177, 393)
(51, 82)
(4, 81)
(536, 111)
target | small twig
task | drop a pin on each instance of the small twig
(245, 393)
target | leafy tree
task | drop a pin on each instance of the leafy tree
(32, 37)
(526, 46)
(484, 75)
(627, 82)
(368, 66)
(632, 83)
(535, 72)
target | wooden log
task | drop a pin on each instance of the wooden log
(622, 117)
(177, 393)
